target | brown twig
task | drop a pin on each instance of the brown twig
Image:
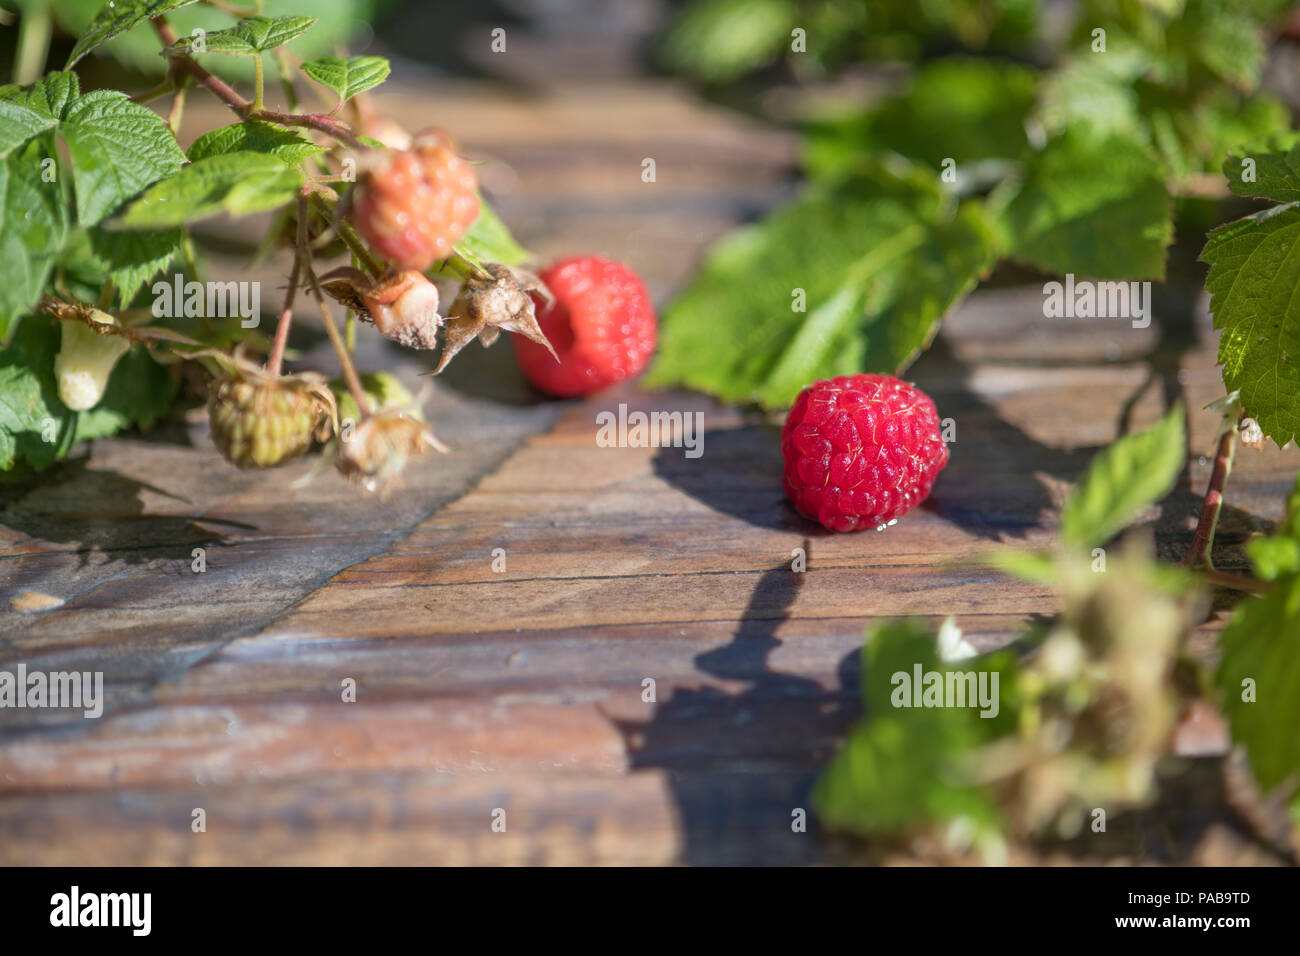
(1203, 542)
(244, 109)
(286, 314)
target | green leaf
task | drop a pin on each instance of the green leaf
(118, 16)
(720, 40)
(33, 224)
(902, 767)
(51, 95)
(1095, 205)
(1123, 480)
(118, 148)
(348, 77)
(489, 239)
(248, 37)
(1262, 644)
(252, 136)
(131, 259)
(959, 109)
(878, 260)
(139, 392)
(1036, 566)
(1279, 553)
(19, 125)
(234, 183)
(1254, 274)
(1274, 171)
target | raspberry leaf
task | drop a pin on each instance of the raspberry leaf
(720, 40)
(1261, 644)
(234, 183)
(116, 17)
(117, 148)
(130, 259)
(875, 259)
(33, 226)
(248, 37)
(19, 125)
(252, 136)
(1275, 174)
(139, 392)
(966, 110)
(1123, 480)
(348, 77)
(1254, 270)
(489, 239)
(902, 766)
(1093, 204)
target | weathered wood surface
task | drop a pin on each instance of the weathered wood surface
(522, 690)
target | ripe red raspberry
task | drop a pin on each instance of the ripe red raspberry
(418, 203)
(601, 324)
(861, 450)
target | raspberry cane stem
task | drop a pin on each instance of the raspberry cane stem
(244, 109)
(1203, 542)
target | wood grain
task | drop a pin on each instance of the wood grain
(523, 690)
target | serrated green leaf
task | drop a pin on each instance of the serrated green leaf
(348, 77)
(1279, 553)
(19, 125)
(1254, 273)
(50, 96)
(719, 40)
(33, 225)
(117, 148)
(139, 392)
(248, 37)
(1274, 172)
(131, 259)
(119, 16)
(339, 21)
(252, 136)
(1125, 478)
(1095, 205)
(1262, 644)
(878, 259)
(960, 109)
(234, 183)
(901, 767)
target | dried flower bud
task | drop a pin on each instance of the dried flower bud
(488, 304)
(377, 450)
(261, 422)
(402, 305)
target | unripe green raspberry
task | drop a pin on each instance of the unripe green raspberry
(262, 422)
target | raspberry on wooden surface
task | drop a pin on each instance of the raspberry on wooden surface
(601, 324)
(861, 451)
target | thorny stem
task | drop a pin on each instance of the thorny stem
(178, 105)
(331, 126)
(345, 358)
(286, 314)
(257, 83)
(1203, 542)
